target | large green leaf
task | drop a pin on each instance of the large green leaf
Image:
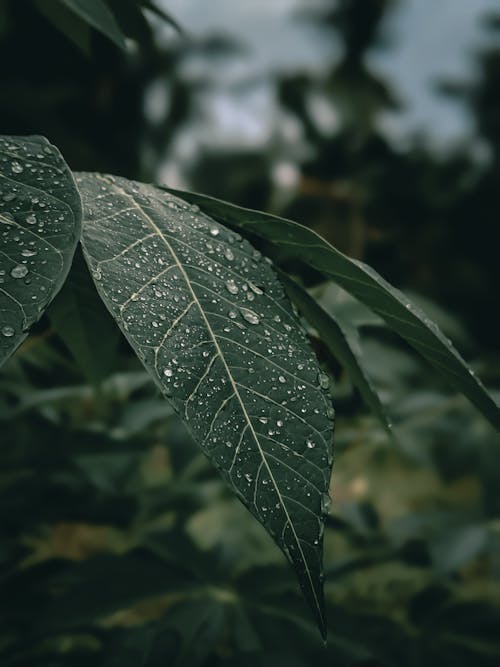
(362, 282)
(40, 216)
(211, 323)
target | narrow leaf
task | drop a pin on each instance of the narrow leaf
(211, 323)
(97, 14)
(338, 342)
(362, 282)
(40, 216)
(168, 18)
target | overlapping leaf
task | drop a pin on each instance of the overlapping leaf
(211, 323)
(40, 215)
(362, 282)
(338, 342)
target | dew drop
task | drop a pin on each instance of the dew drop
(263, 420)
(9, 196)
(28, 253)
(168, 372)
(250, 316)
(330, 412)
(232, 287)
(324, 380)
(248, 477)
(255, 289)
(229, 254)
(325, 503)
(214, 231)
(310, 444)
(19, 271)
(31, 219)
(16, 167)
(232, 314)
(282, 379)
(8, 331)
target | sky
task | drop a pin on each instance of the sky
(430, 41)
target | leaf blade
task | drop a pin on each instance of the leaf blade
(40, 215)
(337, 340)
(365, 284)
(237, 382)
(97, 14)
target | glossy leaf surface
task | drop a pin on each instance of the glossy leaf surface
(40, 216)
(210, 321)
(363, 283)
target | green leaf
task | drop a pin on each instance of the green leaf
(168, 18)
(131, 20)
(40, 216)
(72, 26)
(79, 318)
(211, 323)
(339, 342)
(365, 284)
(97, 14)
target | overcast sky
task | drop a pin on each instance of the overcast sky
(431, 40)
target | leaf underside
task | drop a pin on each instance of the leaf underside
(362, 282)
(210, 321)
(40, 216)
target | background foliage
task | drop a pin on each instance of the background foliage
(119, 544)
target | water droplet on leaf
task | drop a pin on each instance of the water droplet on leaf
(19, 271)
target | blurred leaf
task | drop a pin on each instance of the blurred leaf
(131, 20)
(97, 14)
(71, 25)
(153, 7)
(227, 352)
(455, 547)
(80, 319)
(99, 586)
(40, 215)
(365, 284)
(152, 645)
(200, 623)
(339, 343)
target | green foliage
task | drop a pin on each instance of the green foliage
(204, 312)
(120, 543)
(40, 215)
(300, 243)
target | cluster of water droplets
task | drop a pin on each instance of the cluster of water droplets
(38, 208)
(207, 315)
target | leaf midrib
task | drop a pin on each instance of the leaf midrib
(231, 380)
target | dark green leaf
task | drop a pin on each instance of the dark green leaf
(212, 324)
(131, 20)
(362, 282)
(71, 25)
(97, 14)
(168, 18)
(340, 345)
(128, 579)
(40, 216)
(79, 318)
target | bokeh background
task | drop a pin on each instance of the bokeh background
(375, 122)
